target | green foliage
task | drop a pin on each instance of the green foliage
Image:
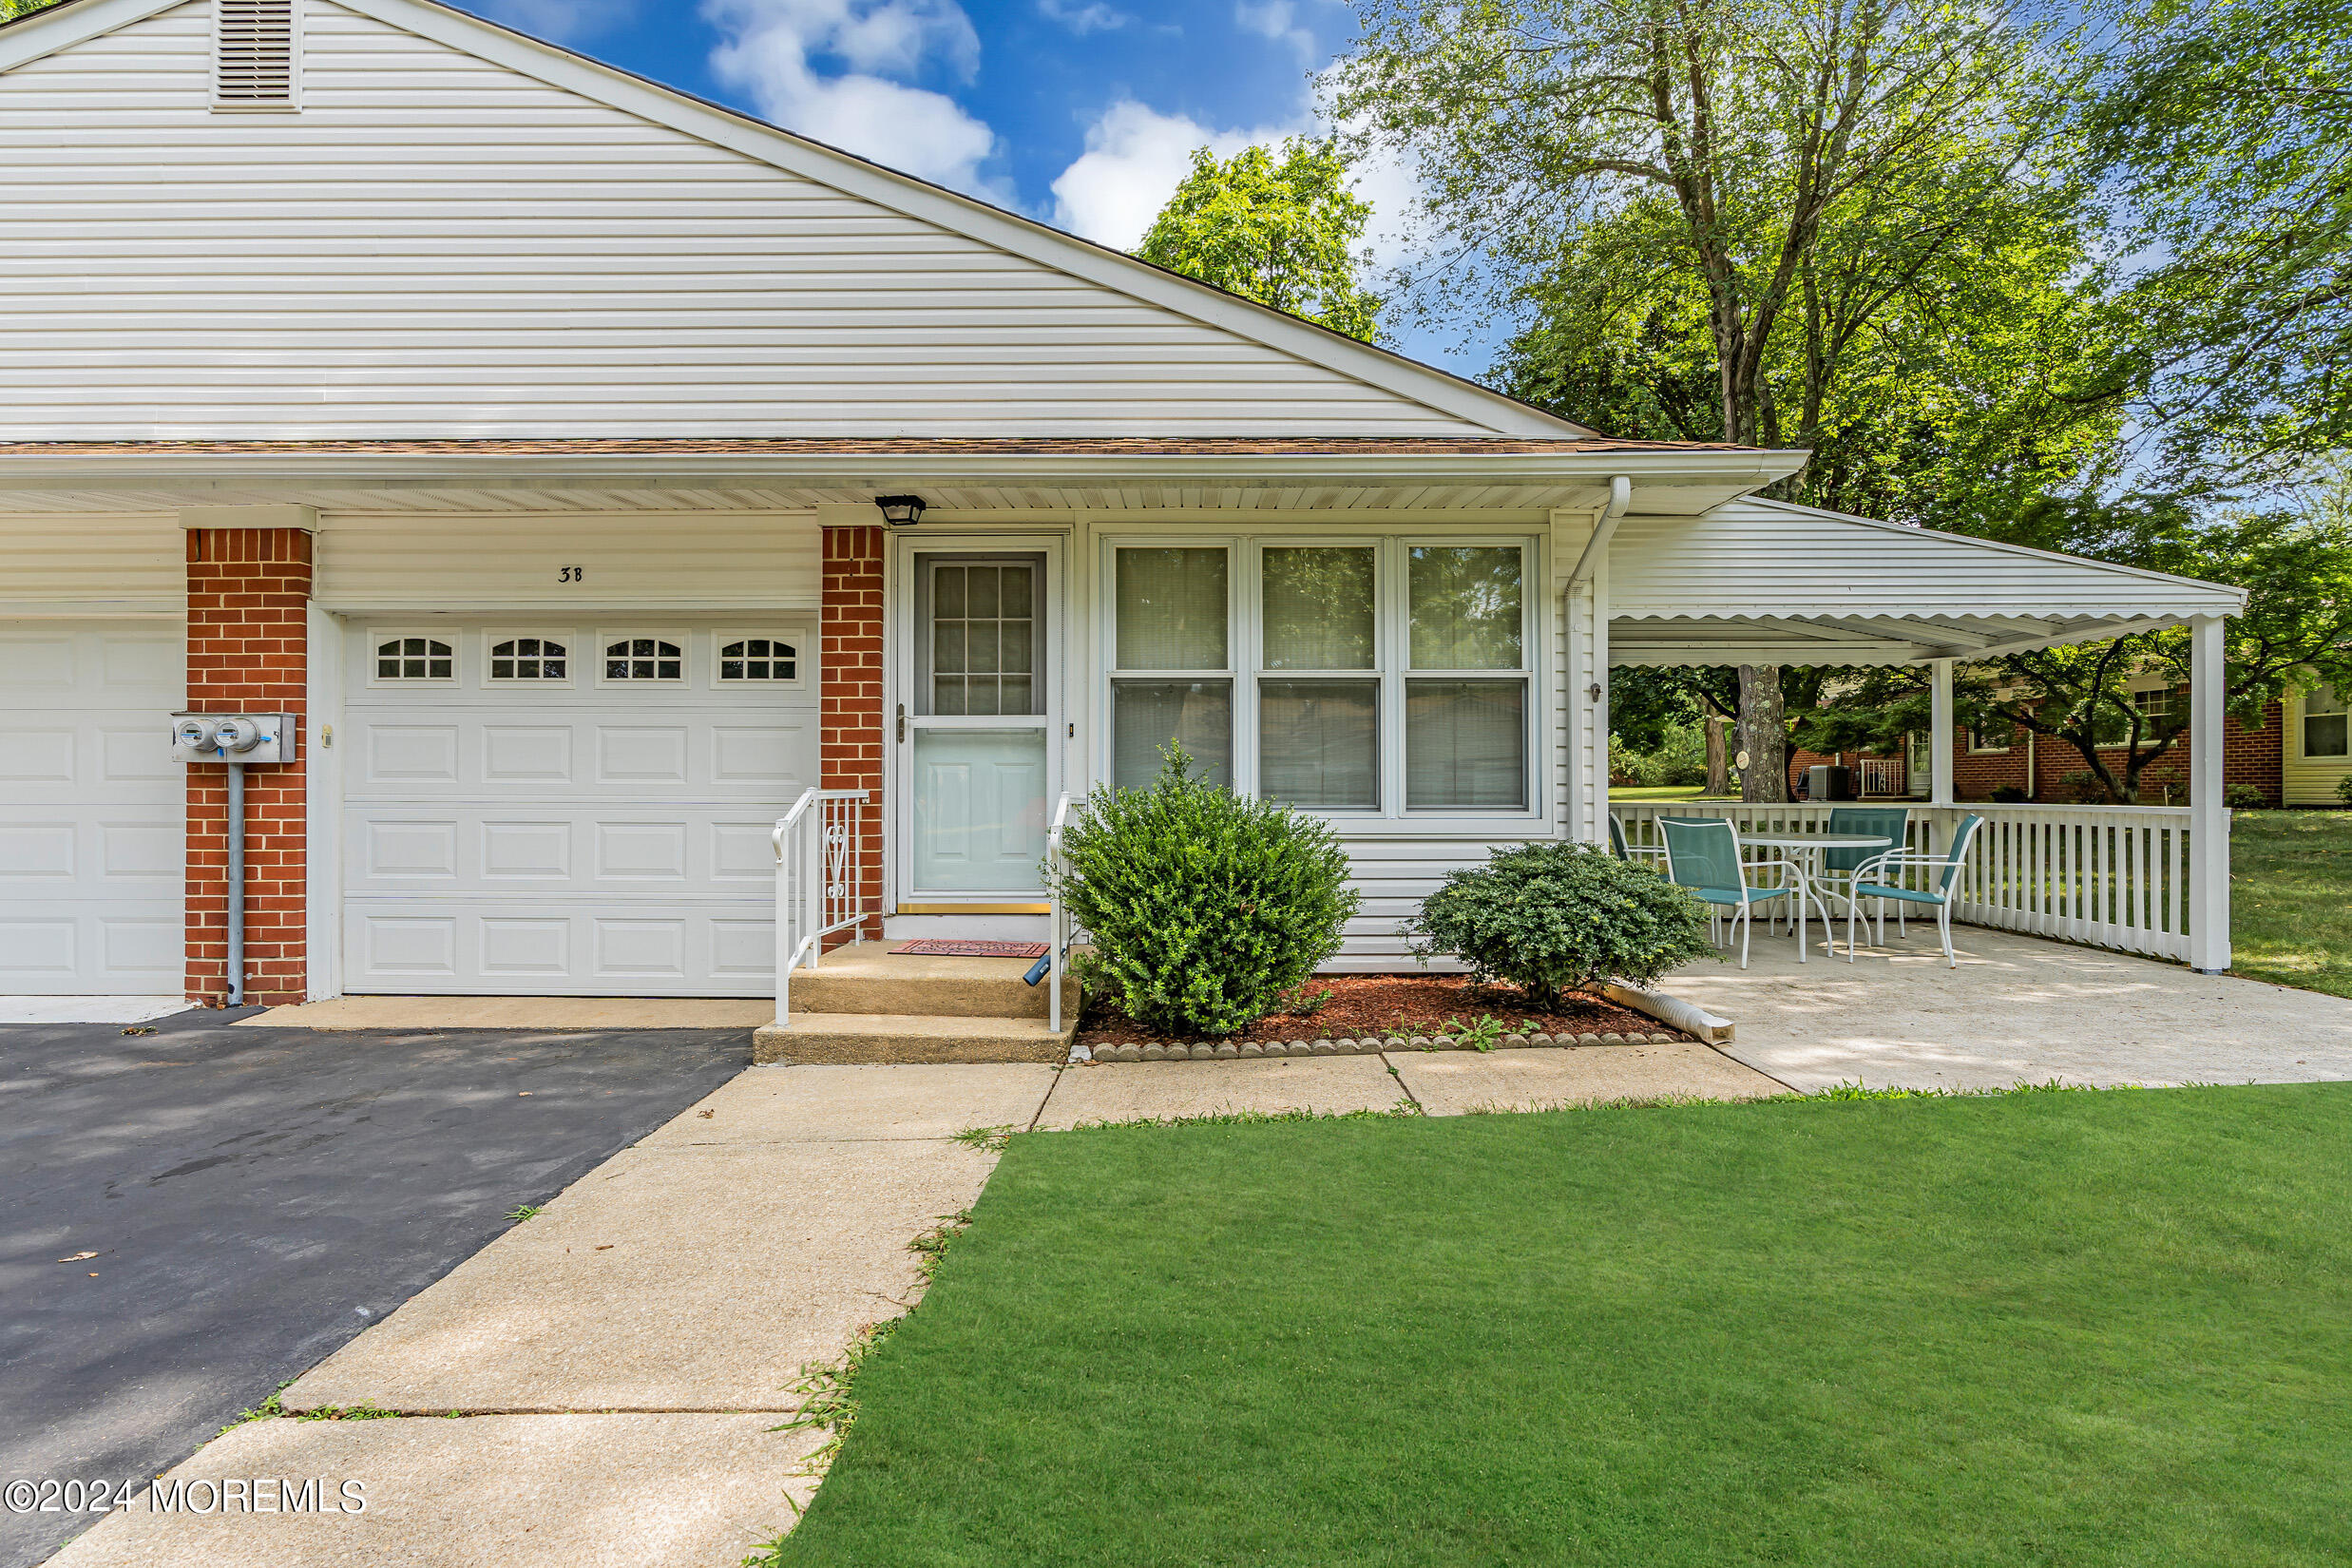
(1556, 917)
(1280, 231)
(2343, 789)
(12, 9)
(2243, 797)
(1204, 911)
(1680, 758)
(2225, 130)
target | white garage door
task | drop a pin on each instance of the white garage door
(550, 810)
(92, 807)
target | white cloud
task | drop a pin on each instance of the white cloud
(1277, 20)
(777, 52)
(560, 20)
(1082, 18)
(1134, 158)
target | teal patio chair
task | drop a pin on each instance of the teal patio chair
(1838, 867)
(1625, 848)
(1702, 853)
(1879, 878)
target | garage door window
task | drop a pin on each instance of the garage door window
(643, 658)
(415, 659)
(528, 659)
(759, 658)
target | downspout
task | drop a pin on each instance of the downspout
(1597, 548)
(1596, 553)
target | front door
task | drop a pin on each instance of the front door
(977, 732)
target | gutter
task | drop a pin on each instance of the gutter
(1597, 548)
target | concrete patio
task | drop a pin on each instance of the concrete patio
(2017, 1009)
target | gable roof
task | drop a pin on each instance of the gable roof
(1439, 402)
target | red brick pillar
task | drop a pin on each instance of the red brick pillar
(249, 592)
(854, 745)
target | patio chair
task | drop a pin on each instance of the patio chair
(1625, 848)
(1702, 853)
(1878, 878)
(1838, 866)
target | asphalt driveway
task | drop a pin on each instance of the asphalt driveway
(256, 1196)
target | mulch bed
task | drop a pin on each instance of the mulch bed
(1395, 1006)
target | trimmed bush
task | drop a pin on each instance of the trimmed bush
(1204, 911)
(1554, 917)
(2243, 797)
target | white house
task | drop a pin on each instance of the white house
(519, 426)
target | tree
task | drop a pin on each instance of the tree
(2295, 563)
(2226, 127)
(12, 9)
(1734, 129)
(1280, 231)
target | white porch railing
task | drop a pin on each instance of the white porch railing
(1880, 776)
(1057, 913)
(820, 870)
(2114, 877)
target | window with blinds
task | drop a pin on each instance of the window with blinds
(254, 54)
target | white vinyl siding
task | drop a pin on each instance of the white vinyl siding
(766, 561)
(119, 563)
(439, 246)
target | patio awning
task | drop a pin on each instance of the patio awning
(1766, 582)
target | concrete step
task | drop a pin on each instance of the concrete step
(869, 978)
(818, 1039)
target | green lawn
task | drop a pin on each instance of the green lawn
(2050, 1327)
(2290, 898)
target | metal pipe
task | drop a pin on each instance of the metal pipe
(237, 884)
(1596, 547)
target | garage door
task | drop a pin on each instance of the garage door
(92, 807)
(551, 810)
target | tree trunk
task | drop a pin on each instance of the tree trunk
(1762, 735)
(1719, 755)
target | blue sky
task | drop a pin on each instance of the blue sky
(1082, 113)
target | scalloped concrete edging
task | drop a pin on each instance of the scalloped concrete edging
(1368, 1045)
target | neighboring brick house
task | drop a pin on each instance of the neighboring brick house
(2294, 757)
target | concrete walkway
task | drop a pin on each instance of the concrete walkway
(2017, 1009)
(618, 1362)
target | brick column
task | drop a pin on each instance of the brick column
(854, 746)
(249, 592)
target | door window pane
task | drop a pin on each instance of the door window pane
(978, 810)
(1465, 745)
(1465, 606)
(2324, 731)
(1318, 608)
(1171, 610)
(1147, 714)
(1319, 743)
(981, 639)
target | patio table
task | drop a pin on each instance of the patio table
(1803, 848)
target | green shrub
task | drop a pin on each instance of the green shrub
(2343, 789)
(2243, 797)
(1204, 911)
(1555, 917)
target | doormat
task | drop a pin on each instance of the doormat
(940, 947)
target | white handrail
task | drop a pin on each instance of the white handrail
(820, 862)
(1057, 933)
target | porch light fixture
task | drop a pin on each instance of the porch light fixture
(900, 512)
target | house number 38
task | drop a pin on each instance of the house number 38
(571, 574)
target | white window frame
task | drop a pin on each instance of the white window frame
(804, 655)
(1976, 747)
(1391, 666)
(492, 637)
(684, 639)
(2301, 721)
(455, 641)
(1113, 676)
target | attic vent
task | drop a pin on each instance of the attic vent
(253, 54)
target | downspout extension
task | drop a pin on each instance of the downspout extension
(237, 884)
